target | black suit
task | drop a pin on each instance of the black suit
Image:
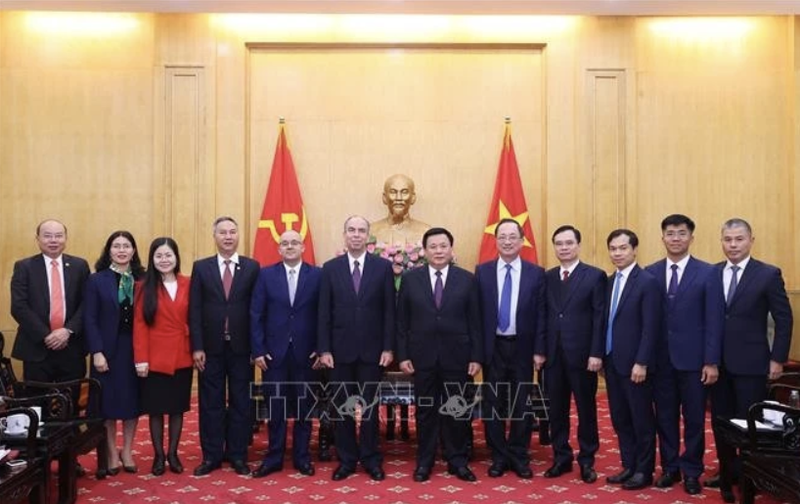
(440, 342)
(30, 307)
(575, 313)
(746, 353)
(508, 372)
(636, 329)
(356, 328)
(223, 432)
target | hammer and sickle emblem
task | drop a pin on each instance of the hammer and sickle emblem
(288, 219)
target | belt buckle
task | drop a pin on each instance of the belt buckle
(226, 336)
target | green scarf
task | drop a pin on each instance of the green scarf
(125, 284)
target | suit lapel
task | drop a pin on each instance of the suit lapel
(302, 273)
(661, 275)
(751, 271)
(573, 283)
(40, 278)
(629, 285)
(689, 276)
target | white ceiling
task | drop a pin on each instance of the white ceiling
(589, 7)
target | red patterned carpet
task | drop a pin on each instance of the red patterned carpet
(224, 486)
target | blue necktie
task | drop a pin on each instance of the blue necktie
(672, 290)
(612, 312)
(504, 314)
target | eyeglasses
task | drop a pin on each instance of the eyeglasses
(508, 238)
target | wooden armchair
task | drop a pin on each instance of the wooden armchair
(771, 460)
(28, 482)
(81, 410)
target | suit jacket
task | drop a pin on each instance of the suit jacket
(693, 321)
(208, 308)
(30, 306)
(274, 320)
(637, 322)
(575, 317)
(760, 291)
(164, 345)
(448, 337)
(531, 309)
(101, 313)
(356, 326)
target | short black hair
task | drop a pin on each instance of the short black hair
(632, 238)
(509, 220)
(566, 227)
(677, 220)
(437, 231)
(737, 222)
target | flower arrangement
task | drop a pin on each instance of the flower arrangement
(402, 257)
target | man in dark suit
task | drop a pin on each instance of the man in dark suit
(687, 355)
(219, 323)
(576, 295)
(355, 339)
(512, 298)
(46, 297)
(752, 290)
(283, 337)
(632, 330)
(439, 342)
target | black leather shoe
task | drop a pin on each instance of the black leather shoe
(638, 481)
(342, 472)
(668, 479)
(621, 477)
(205, 468)
(727, 495)
(588, 474)
(557, 470)
(158, 466)
(463, 473)
(241, 467)
(522, 471)
(79, 470)
(101, 474)
(265, 470)
(376, 473)
(113, 471)
(691, 485)
(306, 469)
(497, 469)
(422, 474)
(174, 462)
(712, 482)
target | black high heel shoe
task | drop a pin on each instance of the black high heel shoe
(158, 465)
(174, 463)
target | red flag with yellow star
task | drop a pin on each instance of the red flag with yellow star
(283, 208)
(508, 202)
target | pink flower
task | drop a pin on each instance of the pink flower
(385, 254)
(398, 258)
(371, 248)
(422, 252)
(413, 256)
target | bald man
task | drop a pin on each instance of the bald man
(46, 297)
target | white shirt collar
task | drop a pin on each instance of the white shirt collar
(570, 268)
(516, 264)
(234, 259)
(627, 271)
(48, 260)
(681, 264)
(742, 264)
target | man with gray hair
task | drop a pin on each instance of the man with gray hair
(219, 325)
(752, 290)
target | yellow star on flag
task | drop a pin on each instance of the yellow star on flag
(503, 213)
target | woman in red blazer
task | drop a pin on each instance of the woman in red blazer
(161, 348)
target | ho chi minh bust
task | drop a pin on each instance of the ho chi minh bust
(398, 227)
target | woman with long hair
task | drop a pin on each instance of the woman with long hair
(161, 348)
(108, 324)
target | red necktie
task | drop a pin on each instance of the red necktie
(227, 278)
(56, 297)
(565, 276)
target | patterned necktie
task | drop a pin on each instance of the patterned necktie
(292, 285)
(504, 313)
(565, 276)
(227, 278)
(672, 290)
(438, 288)
(356, 276)
(56, 297)
(732, 285)
(612, 312)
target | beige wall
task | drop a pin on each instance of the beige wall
(157, 123)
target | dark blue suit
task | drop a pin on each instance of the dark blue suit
(693, 321)
(746, 352)
(355, 328)
(575, 313)
(636, 329)
(224, 432)
(287, 332)
(510, 361)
